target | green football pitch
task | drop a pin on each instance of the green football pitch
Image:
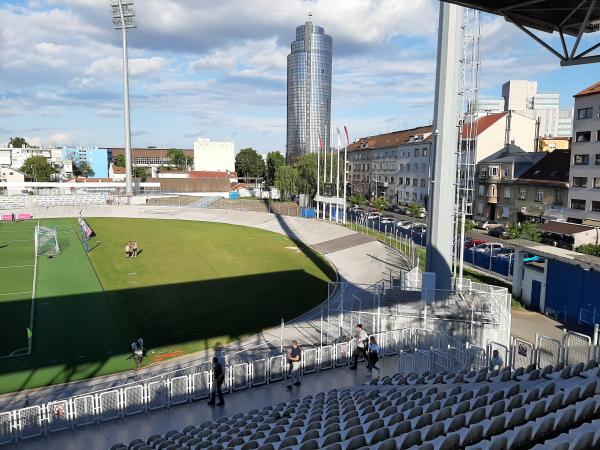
(194, 285)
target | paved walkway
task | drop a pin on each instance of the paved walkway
(359, 260)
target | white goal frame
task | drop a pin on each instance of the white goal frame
(46, 241)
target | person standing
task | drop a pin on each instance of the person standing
(137, 348)
(294, 358)
(373, 355)
(135, 249)
(362, 339)
(218, 379)
(127, 249)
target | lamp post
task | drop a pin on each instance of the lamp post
(123, 16)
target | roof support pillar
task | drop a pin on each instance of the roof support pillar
(445, 139)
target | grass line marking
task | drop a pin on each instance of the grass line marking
(17, 293)
(16, 267)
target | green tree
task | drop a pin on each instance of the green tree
(307, 172)
(140, 172)
(119, 160)
(415, 210)
(248, 163)
(82, 169)
(38, 168)
(525, 230)
(179, 159)
(18, 142)
(274, 161)
(380, 203)
(358, 200)
(589, 249)
(469, 225)
(286, 181)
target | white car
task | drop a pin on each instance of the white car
(373, 215)
(488, 247)
(404, 224)
(387, 219)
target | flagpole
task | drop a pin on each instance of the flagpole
(318, 177)
(337, 178)
(330, 177)
(321, 144)
(346, 169)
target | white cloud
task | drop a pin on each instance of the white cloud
(56, 139)
(112, 66)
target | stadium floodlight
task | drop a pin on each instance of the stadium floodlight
(123, 16)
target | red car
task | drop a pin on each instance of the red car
(474, 242)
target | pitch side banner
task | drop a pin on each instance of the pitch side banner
(85, 227)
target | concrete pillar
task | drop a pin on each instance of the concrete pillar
(445, 127)
(517, 280)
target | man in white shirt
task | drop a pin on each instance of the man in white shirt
(362, 340)
(496, 363)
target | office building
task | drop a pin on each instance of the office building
(214, 156)
(308, 92)
(97, 158)
(584, 190)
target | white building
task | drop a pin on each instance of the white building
(584, 191)
(8, 175)
(214, 156)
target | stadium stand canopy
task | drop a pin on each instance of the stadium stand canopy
(567, 17)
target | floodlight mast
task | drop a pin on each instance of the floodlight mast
(123, 16)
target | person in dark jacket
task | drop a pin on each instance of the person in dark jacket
(218, 379)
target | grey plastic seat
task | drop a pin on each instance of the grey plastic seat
(456, 423)
(494, 426)
(356, 443)
(564, 419)
(310, 445)
(477, 416)
(583, 441)
(389, 444)
(335, 446)
(435, 430)
(288, 442)
(352, 432)
(402, 428)
(408, 440)
(571, 396)
(545, 426)
(331, 438)
(380, 435)
(471, 435)
(250, 445)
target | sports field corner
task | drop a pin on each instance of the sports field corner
(194, 286)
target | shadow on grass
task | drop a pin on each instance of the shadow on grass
(80, 336)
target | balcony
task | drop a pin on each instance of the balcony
(492, 194)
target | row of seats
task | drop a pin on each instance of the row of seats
(496, 410)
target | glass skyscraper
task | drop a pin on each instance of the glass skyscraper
(308, 91)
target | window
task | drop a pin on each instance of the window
(479, 208)
(506, 173)
(401, 167)
(596, 183)
(506, 192)
(416, 166)
(423, 167)
(522, 193)
(539, 195)
(585, 113)
(598, 136)
(483, 172)
(581, 160)
(492, 190)
(505, 212)
(583, 136)
(423, 181)
(595, 206)
(416, 152)
(558, 197)
(406, 194)
(481, 189)
(407, 182)
(400, 179)
(577, 204)
(494, 171)
(579, 181)
(392, 180)
(598, 159)
(424, 152)
(415, 181)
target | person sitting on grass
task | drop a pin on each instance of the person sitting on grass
(127, 250)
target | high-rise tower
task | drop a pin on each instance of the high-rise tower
(308, 92)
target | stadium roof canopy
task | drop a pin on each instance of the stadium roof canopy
(566, 17)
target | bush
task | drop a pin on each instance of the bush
(589, 249)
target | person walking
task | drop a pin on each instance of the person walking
(362, 339)
(218, 379)
(137, 349)
(294, 359)
(373, 355)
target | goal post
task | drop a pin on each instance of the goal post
(46, 241)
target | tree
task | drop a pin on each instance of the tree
(274, 161)
(248, 163)
(286, 181)
(38, 168)
(380, 203)
(307, 172)
(525, 230)
(119, 160)
(358, 200)
(140, 172)
(589, 249)
(469, 225)
(82, 169)
(415, 210)
(18, 142)
(179, 159)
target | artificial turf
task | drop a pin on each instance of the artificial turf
(195, 285)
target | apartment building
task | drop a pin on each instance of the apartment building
(394, 165)
(584, 190)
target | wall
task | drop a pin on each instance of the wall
(530, 274)
(522, 132)
(214, 156)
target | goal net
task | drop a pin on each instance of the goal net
(46, 241)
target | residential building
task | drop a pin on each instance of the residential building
(98, 158)
(565, 122)
(494, 178)
(148, 157)
(214, 156)
(549, 144)
(394, 165)
(489, 106)
(519, 94)
(9, 175)
(16, 157)
(309, 67)
(116, 173)
(540, 194)
(584, 191)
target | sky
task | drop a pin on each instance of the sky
(201, 68)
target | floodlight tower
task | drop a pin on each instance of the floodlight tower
(123, 16)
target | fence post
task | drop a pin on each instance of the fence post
(282, 332)
(596, 329)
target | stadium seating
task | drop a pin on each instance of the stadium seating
(29, 201)
(553, 408)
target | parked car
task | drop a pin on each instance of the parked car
(470, 242)
(373, 215)
(488, 247)
(419, 228)
(404, 224)
(387, 220)
(504, 252)
(499, 232)
(487, 224)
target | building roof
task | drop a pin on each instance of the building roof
(514, 153)
(545, 15)
(564, 228)
(551, 169)
(591, 90)
(393, 139)
(211, 174)
(118, 170)
(148, 152)
(90, 180)
(481, 124)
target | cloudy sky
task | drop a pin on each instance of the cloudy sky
(218, 69)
